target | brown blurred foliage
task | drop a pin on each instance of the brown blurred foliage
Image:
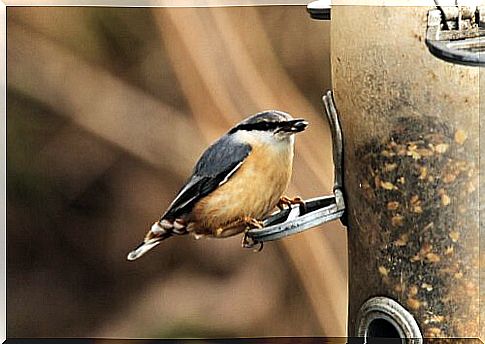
(107, 111)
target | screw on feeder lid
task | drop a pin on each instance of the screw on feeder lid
(319, 9)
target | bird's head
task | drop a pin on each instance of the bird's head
(270, 125)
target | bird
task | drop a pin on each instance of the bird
(237, 181)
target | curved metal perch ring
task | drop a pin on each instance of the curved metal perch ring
(317, 211)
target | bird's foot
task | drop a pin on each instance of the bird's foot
(286, 201)
(253, 223)
(248, 242)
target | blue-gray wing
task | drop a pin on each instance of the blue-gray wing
(215, 167)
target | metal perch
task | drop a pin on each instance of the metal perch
(317, 211)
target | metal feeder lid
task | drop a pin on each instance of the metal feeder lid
(319, 9)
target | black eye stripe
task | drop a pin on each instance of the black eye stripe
(256, 126)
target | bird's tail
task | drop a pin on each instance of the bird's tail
(160, 231)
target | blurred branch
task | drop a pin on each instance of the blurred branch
(192, 40)
(73, 154)
(99, 102)
(318, 254)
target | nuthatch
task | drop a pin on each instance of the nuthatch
(237, 181)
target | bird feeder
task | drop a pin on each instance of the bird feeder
(406, 90)
(406, 86)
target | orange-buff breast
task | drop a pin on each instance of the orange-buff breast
(254, 190)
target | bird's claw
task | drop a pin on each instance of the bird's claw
(248, 242)
(286, 201)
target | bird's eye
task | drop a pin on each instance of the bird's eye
(268, 125)
(263, 126)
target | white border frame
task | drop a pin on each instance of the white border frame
(132, 3)
(230, 3)
(3, 173)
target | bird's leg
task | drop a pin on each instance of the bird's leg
(236, 227)
(286, 201)
(230, 229)
(252, 222)
(247, 242)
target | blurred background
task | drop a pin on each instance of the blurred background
(108, 110)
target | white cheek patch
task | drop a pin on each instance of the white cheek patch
(285, 136)
(280, 142)
(255, 137)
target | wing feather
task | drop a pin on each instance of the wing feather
(218, 163)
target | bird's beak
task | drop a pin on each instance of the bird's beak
(295, 125)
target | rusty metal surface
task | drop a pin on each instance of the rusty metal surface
(411, 132)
